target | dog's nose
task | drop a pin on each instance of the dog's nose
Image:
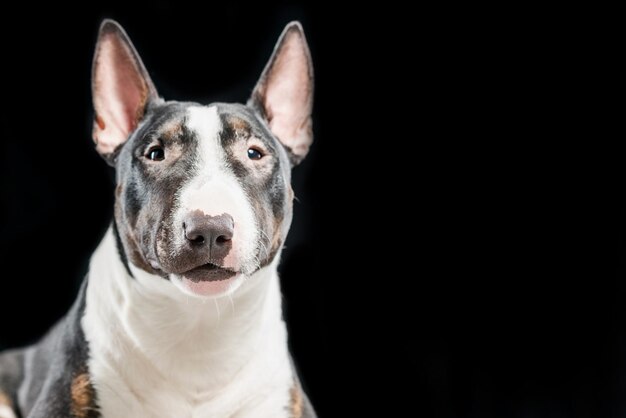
(212, 231)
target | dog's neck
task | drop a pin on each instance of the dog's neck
(143, 332)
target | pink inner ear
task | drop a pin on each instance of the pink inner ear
(120, 93)
(288, 95)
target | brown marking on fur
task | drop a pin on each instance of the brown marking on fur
(239, 125)
(291, 196)
(5, 400)
(83, 397)
(296, 401)
(171, 129)
(277, 239)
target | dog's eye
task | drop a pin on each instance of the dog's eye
(156, 154)
(254, 154)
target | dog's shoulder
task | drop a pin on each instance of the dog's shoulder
(51, 378)
(11, 375)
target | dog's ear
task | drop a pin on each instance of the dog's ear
(121, 88)
(284, 93)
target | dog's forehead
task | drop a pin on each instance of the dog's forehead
(228, 121)
(165, 118)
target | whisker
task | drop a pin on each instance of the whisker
(262, 243)
(217, 307)
(232, 302)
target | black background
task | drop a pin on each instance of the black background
(455, 248)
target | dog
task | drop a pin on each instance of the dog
(180, 312)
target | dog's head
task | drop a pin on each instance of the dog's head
(203, 195)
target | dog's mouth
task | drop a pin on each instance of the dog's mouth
(208, 272)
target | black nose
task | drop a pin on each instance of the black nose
(214, 232)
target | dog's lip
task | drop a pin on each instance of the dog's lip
(208, 272)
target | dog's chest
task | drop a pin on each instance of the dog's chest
(156, 357)
(128, 384)
(248, 397)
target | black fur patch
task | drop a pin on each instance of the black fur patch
(48, 369)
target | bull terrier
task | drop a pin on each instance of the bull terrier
(180, 312)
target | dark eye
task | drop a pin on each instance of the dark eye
(156, 154)
(254, 154)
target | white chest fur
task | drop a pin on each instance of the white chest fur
(155, 352)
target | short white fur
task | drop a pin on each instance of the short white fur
(156, 352)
